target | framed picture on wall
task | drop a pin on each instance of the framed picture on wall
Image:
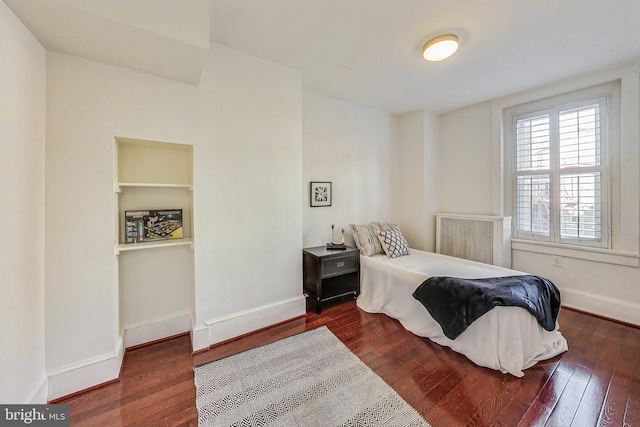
(320, 193)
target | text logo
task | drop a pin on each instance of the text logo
(34, 415)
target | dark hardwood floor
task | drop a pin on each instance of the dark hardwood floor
(595, 383)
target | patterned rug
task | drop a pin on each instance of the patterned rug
(309, 379)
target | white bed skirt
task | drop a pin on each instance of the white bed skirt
(508, 339)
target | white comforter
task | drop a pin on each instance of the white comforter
(508, 339)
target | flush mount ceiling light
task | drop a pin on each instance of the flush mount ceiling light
(440, 47)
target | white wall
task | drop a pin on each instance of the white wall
(415, 199)
(244, 121)
(248, 217)
(465, 175)
(353, 147)
(379, 165)
(22, 142)
(474, 179)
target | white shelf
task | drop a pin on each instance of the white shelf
(152, 245)
(118, 186)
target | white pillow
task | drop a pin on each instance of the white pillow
(393, 243)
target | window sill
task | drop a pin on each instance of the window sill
(607, 256)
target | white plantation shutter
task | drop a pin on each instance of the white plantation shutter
(580, 173)
(561, 174)
(533, 143)
(534, 205)
(579, 131)
(533, 163)
(580, 206)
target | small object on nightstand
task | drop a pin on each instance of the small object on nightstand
(333, 236)
(336, 246)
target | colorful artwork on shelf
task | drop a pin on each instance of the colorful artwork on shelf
(153, 225)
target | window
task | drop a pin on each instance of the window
(561, 173)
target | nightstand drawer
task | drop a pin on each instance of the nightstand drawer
(339, 265)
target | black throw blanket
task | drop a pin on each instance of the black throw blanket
(456, 303)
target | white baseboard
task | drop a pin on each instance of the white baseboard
(85, 374)
(226, 327)
(89, 373)
(166, 326)
(602, 306)
(40, 392)
(200, 337)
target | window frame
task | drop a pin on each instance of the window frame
(554, 107)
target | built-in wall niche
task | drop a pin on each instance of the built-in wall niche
(153, 175)
(155, 279)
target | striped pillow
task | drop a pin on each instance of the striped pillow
(366, 239)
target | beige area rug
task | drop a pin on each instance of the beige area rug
(309, 379)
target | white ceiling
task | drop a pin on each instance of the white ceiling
(168, 38)
(363, 51)
(369, 51)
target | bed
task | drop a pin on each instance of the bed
(508, 339)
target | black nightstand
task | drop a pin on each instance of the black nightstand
(330, 274)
